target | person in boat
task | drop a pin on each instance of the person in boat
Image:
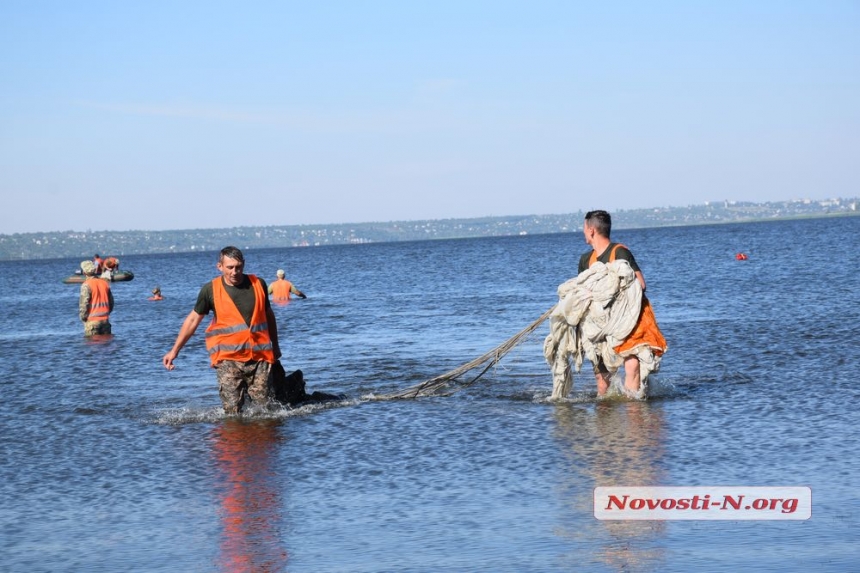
(242, 338)
(96, 302)
(110, 266)
(156, 294)
(597, 229)
(98, 262)
(282, 289)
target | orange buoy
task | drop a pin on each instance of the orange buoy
(741, 257)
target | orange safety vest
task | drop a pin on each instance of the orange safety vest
(229, 338)
(646, 331)
(281, 289)
(593, 258)
(99, 299)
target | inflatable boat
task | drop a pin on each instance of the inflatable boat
(114, 277)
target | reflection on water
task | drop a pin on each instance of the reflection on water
(251, 509)
(613, 443)
(98, 338)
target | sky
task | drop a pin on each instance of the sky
(163, 115)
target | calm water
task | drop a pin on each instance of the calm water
(110, 463)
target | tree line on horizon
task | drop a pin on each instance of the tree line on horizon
(74, 244)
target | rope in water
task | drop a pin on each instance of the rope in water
(434, 386)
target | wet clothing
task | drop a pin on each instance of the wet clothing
(238, 379)
(95, 305)
(95, 327)
(281, 290)
(238, 340)
(596, 313)
(604, 316)
(646, 332)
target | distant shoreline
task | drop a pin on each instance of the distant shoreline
(76, 244)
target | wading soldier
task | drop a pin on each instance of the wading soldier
(96, 302)
(242, 338)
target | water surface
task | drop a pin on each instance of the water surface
(111, 463)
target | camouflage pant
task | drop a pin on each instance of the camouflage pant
(93, 327)
(239, 379)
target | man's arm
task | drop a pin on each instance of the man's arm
(297, 292)
(84, 303)
(625, 254)
(189, 326)
(641, 278)
(273, 331)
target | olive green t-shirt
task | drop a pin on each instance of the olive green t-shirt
(621, 253)
(242, 296)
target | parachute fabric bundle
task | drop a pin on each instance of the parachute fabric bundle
(597, 310)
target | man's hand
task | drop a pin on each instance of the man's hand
(168, 359)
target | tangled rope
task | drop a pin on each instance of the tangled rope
(435, 386)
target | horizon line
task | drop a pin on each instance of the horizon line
(396, 221)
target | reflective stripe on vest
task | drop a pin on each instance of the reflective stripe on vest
(281, 290)
(228, 337)
(99, 308)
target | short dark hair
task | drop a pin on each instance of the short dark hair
(600, 221)
(232, 253)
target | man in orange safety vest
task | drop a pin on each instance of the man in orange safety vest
(242, 339)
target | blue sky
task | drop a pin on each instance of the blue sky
(175, 115)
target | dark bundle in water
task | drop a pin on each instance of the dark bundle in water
(290, 389)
